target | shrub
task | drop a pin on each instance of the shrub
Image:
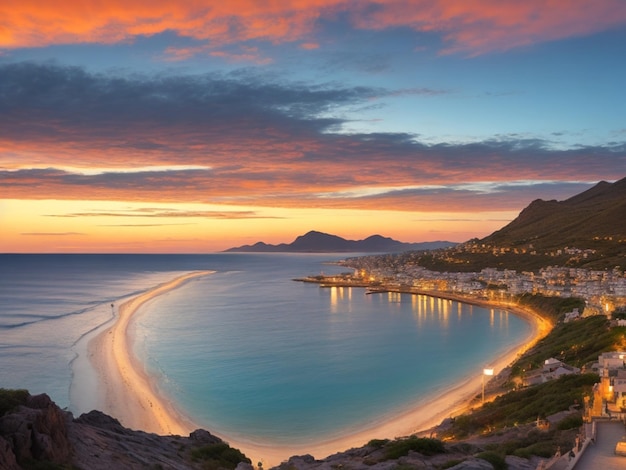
(9, 399)
(544, 449)
(423, 445)
(377, 443)
(570, 422)
(220, 455)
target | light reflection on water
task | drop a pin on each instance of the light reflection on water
(300, 361)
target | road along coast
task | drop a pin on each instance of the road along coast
(132, 396)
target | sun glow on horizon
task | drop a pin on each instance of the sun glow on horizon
(51, 226)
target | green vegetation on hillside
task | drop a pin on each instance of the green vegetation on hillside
(576, 343)
(554, 308)
(218, 456)
(394, 449)
(524, 406)
(467, 258)
(608, 254)
(9, 399)
(549, 305)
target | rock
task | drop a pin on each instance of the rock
(473, 464)
(299, 462)
(7, 457)
(204, 437)
(41, 432)
(244, 466)
(519, 463)
(37, 431)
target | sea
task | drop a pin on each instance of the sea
(247, 350)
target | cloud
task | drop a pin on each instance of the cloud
(56, 103)
(168, 214)
(418, 91)
(139, 225)
(250, 139)
(471, 27)
(243, 54)
(50, 234)
(481, 26)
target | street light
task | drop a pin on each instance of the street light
(489, 372)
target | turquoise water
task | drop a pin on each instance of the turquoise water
(247, 351)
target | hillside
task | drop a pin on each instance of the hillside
(582, 220)
(587, 230)
(318, 242)
(36, 434)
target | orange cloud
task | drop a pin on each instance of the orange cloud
(309, 46)
(479, 26)
(472, 27)
(31, 23)
(250, 141)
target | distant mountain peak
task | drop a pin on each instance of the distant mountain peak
(320, 242)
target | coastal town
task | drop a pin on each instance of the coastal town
(604, 291)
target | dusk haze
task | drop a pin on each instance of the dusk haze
(313, 234)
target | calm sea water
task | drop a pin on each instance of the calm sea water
(247, 350)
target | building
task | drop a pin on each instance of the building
(611, 391)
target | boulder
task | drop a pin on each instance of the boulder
(37, 431)
(7, 457)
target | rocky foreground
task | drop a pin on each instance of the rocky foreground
(36, 433)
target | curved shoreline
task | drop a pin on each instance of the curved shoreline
(132, 396)
(128, 392)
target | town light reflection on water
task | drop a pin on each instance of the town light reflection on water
(337, 295)
(424, 307)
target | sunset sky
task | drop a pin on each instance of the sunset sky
(194, 126)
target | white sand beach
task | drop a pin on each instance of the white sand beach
(131, 395)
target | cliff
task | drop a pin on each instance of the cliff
(36, 434)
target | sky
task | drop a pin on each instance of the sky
(180, 126)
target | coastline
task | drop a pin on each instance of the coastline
(131, 395)
(419, 417)
(127, 392)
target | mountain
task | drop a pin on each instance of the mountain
(318, 242)
(595, 215)
(587, 231)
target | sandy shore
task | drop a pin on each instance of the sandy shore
(131, 395)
